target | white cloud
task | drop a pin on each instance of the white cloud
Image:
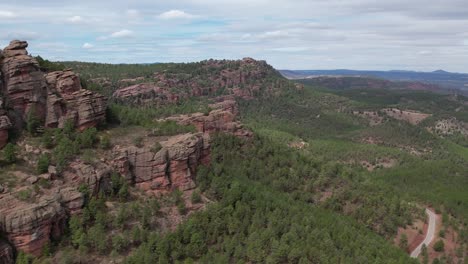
(175, 14)
(124, 33)
(87, 45)
(75, 19)
(7, 14)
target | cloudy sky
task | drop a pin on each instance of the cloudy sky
(421, 35)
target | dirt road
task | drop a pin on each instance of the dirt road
(430, 233)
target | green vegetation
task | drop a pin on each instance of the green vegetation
(9, 153)
(439, 246)
(32, 121)
(254, 221)
(49, 66)
(43, 164)
(271, 201)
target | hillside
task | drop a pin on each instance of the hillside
(447, 82)
(223, 162)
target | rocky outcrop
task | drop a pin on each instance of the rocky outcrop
(94, 176)
(5, 124)
(30, 226)
(24, 85)
(172, 167)
(412, 117)
(68, 101)
(52, 98)
(6, 253)
(221, 119)
(446, 127)
(242, 78)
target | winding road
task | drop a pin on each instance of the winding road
(429, 236)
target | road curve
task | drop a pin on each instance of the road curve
(429, 236)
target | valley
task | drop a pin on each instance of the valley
(225, 161)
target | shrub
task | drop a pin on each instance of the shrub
(32, 121)
(439, 246)
(442, 233)
(403, 241)
(105, 142)
(138, 142)
(88, 156)
(24, 195)
(9, 153)
(23, 258)
(69, 128)
(156, 147)
(196, 197)
(43, 164)
(87, 138)
(47, 139)
(119, 243)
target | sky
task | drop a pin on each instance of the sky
(423, 35)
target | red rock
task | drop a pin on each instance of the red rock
(4, 126)
(94, 176)
(24, 85)
(221, 119)
(68, 101)
(55, 97)
(172, 167)
(242, 78)
(30, 226)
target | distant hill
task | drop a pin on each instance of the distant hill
(451, 82)
(346, 83)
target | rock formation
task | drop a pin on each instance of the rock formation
(171, 167)
(24, 85)
(68, 101)
(52, 98)
(4, 126)
(221, 119)
(30, 225)
(94, 176)
(243, 78)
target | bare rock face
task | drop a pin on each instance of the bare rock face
(68, 101)
(221, 119)
(6, 253)
(54, 98)
(151, 90)
(29, 226)
(93, 176)
(172, 167)
(5, 124)
(24, 85)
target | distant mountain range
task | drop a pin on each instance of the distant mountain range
(451, 82)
